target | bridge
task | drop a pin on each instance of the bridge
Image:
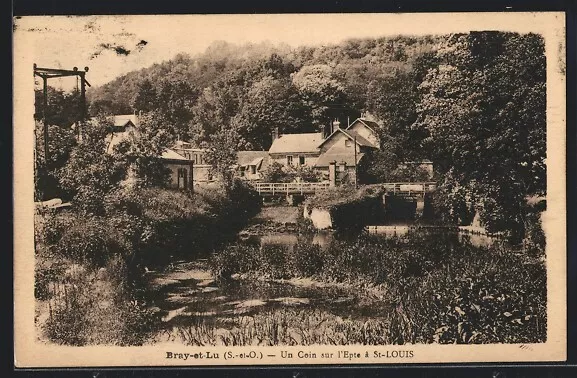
(409, 189)
(402, 189)
(288, 188)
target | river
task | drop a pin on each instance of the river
(195, 308)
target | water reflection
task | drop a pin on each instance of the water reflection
(290, 239)
(394, 231)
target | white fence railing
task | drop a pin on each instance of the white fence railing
(289, 187)
(410, 187)
(400, 188)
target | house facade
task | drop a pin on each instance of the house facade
(344, 149)
(293, 150)
(181, 174)
(201, 170)
(185, 163)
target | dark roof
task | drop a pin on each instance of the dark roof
(258, 158)
(348, 158)
(295, 143)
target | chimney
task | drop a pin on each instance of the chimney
(336, 124)
(275, 134)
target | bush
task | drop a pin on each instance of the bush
(93, 241)
(277, 172)
(439, 289)
(97, 307)
(534, 242)
(70, 306)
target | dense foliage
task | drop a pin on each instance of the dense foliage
(445, 290)
(108, 253)
(484, 110)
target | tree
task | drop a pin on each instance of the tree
(175, 100)
(269, 103)
(146, 97)
(484, 107)
(214, 108)
(392, 100)
(145, 148)
(61, 142)
(91, 173)
(64, 108)
(321, 92)
(221, 148)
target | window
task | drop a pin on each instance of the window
(348, 143)
(301, 160)
(182, 180)
(253, 169)
(289, 160)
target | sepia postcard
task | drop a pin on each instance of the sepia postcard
(289, 189)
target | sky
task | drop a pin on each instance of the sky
(98, 41)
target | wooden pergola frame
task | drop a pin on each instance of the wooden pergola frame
(50, 73)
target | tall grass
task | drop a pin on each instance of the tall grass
(95, 307)
(297, 327)
(442, 290)
(102, 303)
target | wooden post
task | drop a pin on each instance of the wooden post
(355, 147)
(82, 105)
(192, 176)
(44, 106)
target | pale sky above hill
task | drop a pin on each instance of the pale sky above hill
(68, 41)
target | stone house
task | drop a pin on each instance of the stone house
(342, 150)
(294, 150)
(181, 170)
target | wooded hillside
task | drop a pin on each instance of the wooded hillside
(474, 104)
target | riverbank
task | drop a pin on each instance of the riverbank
(79, 254)
(283, 286)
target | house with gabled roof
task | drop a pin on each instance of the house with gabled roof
(295, 149)
(343, 148)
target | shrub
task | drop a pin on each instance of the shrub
(440, 290)
(236, 258)
(93, 241)
(70, 307)
(307, 259)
